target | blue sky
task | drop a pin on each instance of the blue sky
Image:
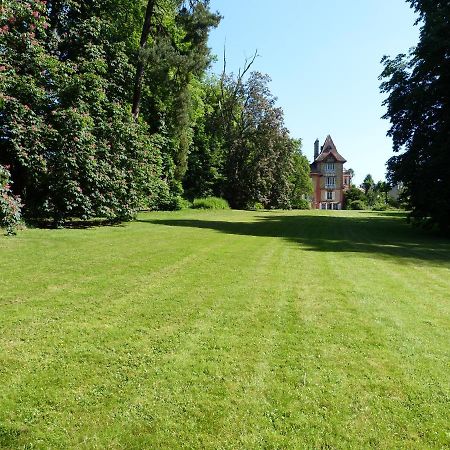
(324, 60)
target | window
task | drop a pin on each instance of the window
(329, 167)
(329, 195)
(331, 182)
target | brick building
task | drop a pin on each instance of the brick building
(329, 178)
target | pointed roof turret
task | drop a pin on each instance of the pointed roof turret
(329, 149)
(328, 144)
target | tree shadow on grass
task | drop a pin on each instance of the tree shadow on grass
(381, 235)
(76, 224)
(396, 213)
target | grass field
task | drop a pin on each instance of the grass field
(226, 330)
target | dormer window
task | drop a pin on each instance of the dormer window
(330, 167)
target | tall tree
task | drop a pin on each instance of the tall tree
(65, 125)
(300, 180)
(140, 66)
(418, 107)
(383, 187)
(171, 63)
(67, 78)
(242, 149)
(368, 183)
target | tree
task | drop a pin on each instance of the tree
(352, 195)
(140, 66)
(351, 172)
(258, 147)
(66, 128)
(418, 107)
(367, 184)
(242, 149)
(10, 206)
(300, 180)
(383, 188)
(67, 133)
(205, 174)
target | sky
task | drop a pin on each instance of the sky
(324, 60)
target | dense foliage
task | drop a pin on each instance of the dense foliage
(105, 108)
(72, 145)
(242, 150)
(418, 107)
(10, 205)
(377, 196)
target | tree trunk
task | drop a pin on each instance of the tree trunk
(137, 93)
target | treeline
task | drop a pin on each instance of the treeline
(378, 196)
(106, 107)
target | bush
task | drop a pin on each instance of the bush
(183, 203)
(210, 203)
(176, 204)
(10, 206)
(254, 206)
(302, 204)
(353, 194)
(357, 205)
(379, 206)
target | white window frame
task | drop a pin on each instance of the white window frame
(331, 184)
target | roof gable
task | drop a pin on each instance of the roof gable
(328, 144)
(329, 150)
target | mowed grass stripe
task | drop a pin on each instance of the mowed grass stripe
(227, 330)
(135, 303)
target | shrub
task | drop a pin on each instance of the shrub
(10, 206)
(301, 204)
(356, 204)
(353, 194)
(254, 206)
(379, 206)
(210, 203)
(183, 203)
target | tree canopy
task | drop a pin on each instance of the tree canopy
(418, 107)
(106, 107)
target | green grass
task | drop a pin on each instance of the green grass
(225, 330)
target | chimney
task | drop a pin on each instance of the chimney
(316, 149)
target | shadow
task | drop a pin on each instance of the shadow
(73, 224)
(399, 214)
(9, 437)
(383, 235)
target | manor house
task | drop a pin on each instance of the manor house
(330, 179)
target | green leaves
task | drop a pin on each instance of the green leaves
(418, 106)
(69, 138)
(10, 204)
(242, 150)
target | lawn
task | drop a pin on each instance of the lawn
(225, 330)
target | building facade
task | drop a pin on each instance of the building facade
(329, 178)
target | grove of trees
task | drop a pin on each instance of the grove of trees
(107, 106)
(371, 195)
